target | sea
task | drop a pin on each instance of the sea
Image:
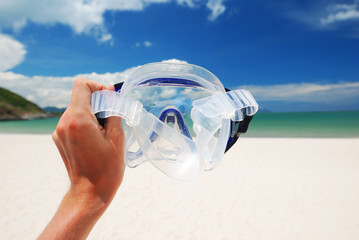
(341, 124)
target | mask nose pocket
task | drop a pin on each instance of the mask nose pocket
(173, 118)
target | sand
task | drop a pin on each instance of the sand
(265, 188)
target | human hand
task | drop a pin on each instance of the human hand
(93, 156)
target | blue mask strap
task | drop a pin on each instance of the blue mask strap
(237, 128)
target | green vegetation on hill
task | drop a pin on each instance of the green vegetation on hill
(15, 107)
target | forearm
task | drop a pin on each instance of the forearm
(75, 218)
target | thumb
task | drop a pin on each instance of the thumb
(114, 130)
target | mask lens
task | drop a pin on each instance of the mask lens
(170, 99)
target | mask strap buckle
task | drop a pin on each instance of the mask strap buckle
(109, 103)
(232, 105)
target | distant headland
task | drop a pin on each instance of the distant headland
(15, 107)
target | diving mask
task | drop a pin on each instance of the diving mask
(179, 117)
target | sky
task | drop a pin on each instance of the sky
(292, 55)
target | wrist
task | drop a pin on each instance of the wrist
(85, 201)
(76, 216)
(83, 191)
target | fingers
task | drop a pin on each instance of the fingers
(114, 130)
(82, 90)
(111, 87)
(81, 99)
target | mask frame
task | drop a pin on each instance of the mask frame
(236, 130)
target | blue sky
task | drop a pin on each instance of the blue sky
(293, 56)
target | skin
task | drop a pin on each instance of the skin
(93, 157)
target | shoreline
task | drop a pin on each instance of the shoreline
(241, 137)
(268, 125)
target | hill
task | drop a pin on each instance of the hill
(15, 107)
(54, 109)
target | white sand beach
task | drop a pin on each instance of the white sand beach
(264, 189)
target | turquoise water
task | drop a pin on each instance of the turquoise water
(305, 124)
(37, 126)
(313, 124)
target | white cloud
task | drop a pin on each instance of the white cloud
(189, 3)
(83, 16)
(144, 44)
(217, 8)
(173, 60)
(12, 52)
(106, 37)
(194, 93)
(325, 14)
(343, 92)
(147, 43)
(56, 91)
(340, 13)
(168, 93)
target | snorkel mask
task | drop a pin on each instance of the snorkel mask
(179, 117)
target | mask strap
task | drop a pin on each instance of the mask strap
(232, 105)
(105, 104)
